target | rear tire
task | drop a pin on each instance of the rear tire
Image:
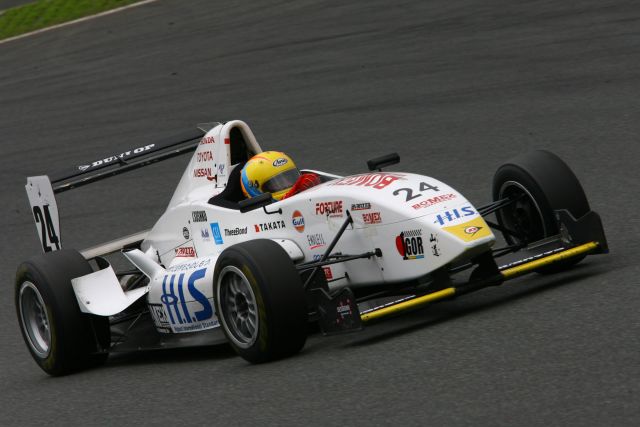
(260, 301)
(60, 338)
(543, 183)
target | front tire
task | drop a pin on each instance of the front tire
(60, 338)
(541, 183)
(260, 301)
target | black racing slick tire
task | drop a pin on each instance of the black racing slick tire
(260, 301)
(60, 338)
(541, 183)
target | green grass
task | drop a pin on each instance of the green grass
(45, 13)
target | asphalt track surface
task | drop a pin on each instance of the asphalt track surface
(455, 87)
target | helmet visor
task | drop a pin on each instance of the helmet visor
(281, 181)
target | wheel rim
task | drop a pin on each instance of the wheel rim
(239, 313)
(34, 319)
(524, 216)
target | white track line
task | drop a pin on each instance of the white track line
(86, 18)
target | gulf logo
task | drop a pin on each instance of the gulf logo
(298, 221)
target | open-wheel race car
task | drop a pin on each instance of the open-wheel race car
(256, 272)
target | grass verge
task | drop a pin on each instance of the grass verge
(45, 13)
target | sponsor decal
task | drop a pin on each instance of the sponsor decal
(433, 242)
(315, 241)
(330, 209)
(217, 236)
(470, 230)
(199, 216)
(317, 257)
(120, 156)
(190, 265)
(204, 173)
(372, 218)
(204, 233)
(42, 216)
(434, 200)
(328, 273)
(410, 192)
(343, 310)
(235, 231)
(280, 162)
(298, 221)
(378, 180)
(409, 245)
(204, 156)
(185, 233)
(186, 252)
(454, 214)
(159, 318)
(207, 140)
(360, 206)
(269, 226)
(221, 169)
(186, 307)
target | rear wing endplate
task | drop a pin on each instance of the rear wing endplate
(41, 190)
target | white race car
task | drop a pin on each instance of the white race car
(256, 272)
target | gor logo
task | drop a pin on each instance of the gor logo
(409, 245)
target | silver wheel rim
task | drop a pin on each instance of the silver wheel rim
(239, 311)
(508, 184)
(34, 319)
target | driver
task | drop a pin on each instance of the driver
(274, 172)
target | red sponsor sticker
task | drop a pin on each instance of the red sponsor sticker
(332, 209)
(204, 156)
(298, 221)
(204, 173)
(328, 273)
(372, 218)
(433, 201)
(186, 252)
(375, 180)
(207, 140)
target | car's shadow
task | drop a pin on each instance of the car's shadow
(445, 311)
(383, 330)
(172, 355)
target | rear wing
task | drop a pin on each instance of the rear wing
(41, 190)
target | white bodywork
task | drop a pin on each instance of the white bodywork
(419, 223)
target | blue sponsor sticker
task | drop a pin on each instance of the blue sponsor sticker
(217, 236)
(187, 309)
(451, 215)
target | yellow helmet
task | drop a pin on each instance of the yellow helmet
(269, 172)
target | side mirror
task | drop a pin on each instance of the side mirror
(383, 161)
(247, 205)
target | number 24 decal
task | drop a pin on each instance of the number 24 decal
(46, 227)
(409, 192)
